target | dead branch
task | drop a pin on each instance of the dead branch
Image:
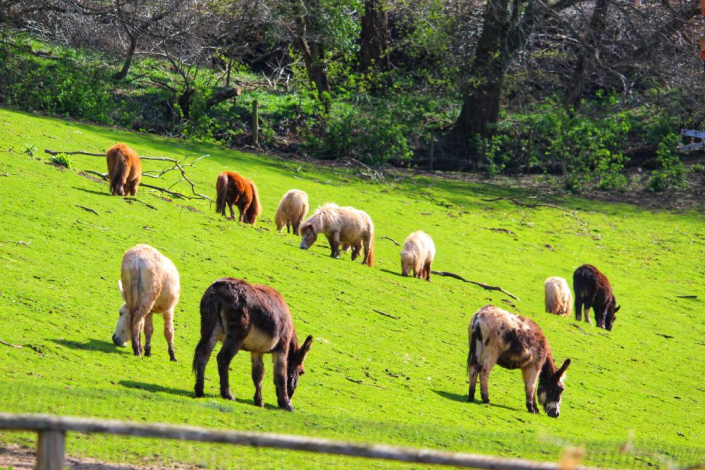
(87, 209)
(687, 296)
(514, 200)
(315, 181)
(386, 314)
(484, 286)
(353, 380)
(177, 165)
(392, 240)
(501, 230)
(16, 346)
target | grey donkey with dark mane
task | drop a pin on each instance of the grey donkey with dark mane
(250, 318)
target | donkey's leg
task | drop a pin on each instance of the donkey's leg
(148, 330)
(257, 376)
(169, 332)
(356, 250)
(287, 227)
(427, 271)
(334, 241)
(530, 375)
(487, 365)
(578, 308)
(474, 370)
(202, 355)
(231, 346)
(587, 307)
(138, 319)
(280, 379)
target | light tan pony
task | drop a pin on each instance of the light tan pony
(345, 225)
(417, 255)
(292, 210)
(558, 297)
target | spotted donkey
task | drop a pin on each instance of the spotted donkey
(514, 342)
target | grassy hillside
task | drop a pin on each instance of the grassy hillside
(369, 378)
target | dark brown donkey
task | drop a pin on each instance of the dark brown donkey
(255, 319)
(593, 290)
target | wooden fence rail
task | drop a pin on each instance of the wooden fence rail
(52, 434)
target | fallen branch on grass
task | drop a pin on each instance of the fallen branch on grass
(386, 314)
(484, 286)
(687, 296)
(392, 240)
(501, 230)
(315, 181)
(87, 209)
(514, 200)
(16, 346)
(176, 165)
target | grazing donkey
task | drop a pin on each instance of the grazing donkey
(233, 189)
(514, 342)
(558, 298)
(341, 225)
(124, 170)
(417, 255)
(255, 319)
(149, 284)
(593, 290)
(292, 210)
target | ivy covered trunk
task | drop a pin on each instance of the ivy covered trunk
(374, 38)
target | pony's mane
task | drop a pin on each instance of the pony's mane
(323, 216)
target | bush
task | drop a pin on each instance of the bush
(672, 174)
(61, 160)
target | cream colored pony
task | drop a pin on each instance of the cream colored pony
(558, 297)
(345, 225)
(292, 210)
(417, 255)
(151, 285)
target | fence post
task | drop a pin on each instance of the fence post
(255, 123)
(433, 141)
(50, 450)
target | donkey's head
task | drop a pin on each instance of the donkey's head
(295, 365)
(551, 389)
(124, 324)
(611, 313)
(308, 236)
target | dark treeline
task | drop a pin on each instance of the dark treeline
(579, 89)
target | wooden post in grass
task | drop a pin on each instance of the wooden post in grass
(433, 141)
(255, 124)
(50, 450)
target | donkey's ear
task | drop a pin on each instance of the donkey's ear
(122, 292)
(305, 348)
(559, 373)
(617, 309)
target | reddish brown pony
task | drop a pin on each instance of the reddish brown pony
(124, 170)
(233, 189)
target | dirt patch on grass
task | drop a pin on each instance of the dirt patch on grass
(17, 457)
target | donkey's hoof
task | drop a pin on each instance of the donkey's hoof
(227, 395)
(486, 401)
(471, 399)
(173, 359)
(200, 394)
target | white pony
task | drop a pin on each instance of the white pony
(417, 255)
(292, 210)
(558, 297)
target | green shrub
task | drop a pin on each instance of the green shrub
(61, 160)
(672, 174)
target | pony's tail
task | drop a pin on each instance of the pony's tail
(221, 188)
(210, 311)
(118, 171)
(370, 255)
(255, 208)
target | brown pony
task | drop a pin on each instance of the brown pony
(233, 189)
(255, 319)
(344, 226)
(124, 170)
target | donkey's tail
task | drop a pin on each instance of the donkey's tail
(210, 311)
(119, 171)
(474, 354)
(255, 208)
(221, 188)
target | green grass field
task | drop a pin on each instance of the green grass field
(370, 378)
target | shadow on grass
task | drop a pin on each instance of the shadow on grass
(99, 193)
(91, 345)
(394, 273)
(463, 398)
(204, 401)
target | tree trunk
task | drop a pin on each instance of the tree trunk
(576, 86)
(315, 62)
(122, 74)
(481, 104)
(374, 53)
